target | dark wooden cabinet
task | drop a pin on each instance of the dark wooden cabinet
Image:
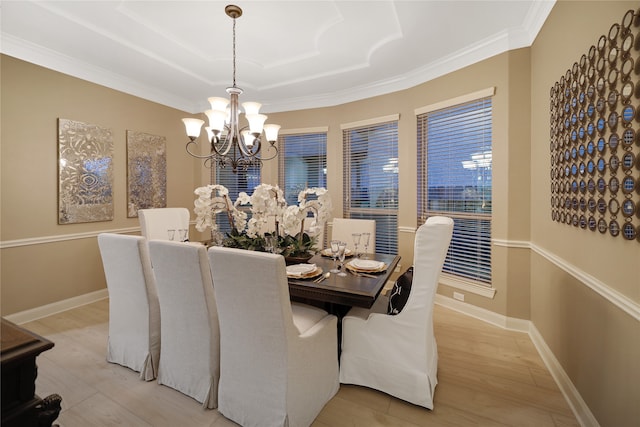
(21, 407)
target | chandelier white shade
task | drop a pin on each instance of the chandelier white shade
(231, 144)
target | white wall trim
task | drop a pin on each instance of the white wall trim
(484, 93)
(621, 301)
(624, 303)
(405, 229)
(61, 238)
(318, 129)
(520, 244)
(56, 307)
(467, 285)
(370, 122)
(572, 396)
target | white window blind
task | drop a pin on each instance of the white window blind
(370, 154)
(302, 163)
(236, 183)
(454, 179)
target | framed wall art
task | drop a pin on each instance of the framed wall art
(85, 172)
(146, 172)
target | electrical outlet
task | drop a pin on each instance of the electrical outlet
(458, 296)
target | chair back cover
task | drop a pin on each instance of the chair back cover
(343, 228)
(190, 351)
(134, 313)
(271, 373)
(154, 223)
(398, 354)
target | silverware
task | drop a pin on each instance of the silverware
(357, 273)
(321, 278)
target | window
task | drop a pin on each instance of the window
(302, 162)
(371, 177)
(236, 183)
(454, 179)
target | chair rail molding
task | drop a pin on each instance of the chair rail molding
(63, 237)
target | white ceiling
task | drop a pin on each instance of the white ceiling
(290, 54)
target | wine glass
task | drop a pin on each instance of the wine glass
(171, 233)
(334, 254)
(269, 243)
(356, 242)
(365, 241)
(342, 251)
(183, 234)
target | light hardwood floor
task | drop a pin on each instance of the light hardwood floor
(487, 377)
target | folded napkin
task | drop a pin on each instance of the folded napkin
(367, 264)
(299, 270)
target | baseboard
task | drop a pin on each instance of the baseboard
(56, 307)
(572, 396)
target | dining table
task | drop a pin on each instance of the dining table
(339, 293)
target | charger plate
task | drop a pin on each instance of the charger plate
(366, 266)
(303, 271)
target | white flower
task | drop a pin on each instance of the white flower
(292, 220)
(268, 210)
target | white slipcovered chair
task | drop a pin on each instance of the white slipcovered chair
(190, 351)
(154, 223)
(397, 354)
(134, 313)
(278, 360)
(343, 228)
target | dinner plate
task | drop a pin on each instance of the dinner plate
(327, 252)
(303, 271)
(366, 265)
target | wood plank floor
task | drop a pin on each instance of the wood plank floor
(487, 377)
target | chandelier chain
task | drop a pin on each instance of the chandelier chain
(234, 52)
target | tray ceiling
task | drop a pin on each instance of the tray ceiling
(290, 54)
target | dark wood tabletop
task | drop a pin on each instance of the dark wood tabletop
(350, 290)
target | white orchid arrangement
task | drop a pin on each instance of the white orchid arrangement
(270, 216)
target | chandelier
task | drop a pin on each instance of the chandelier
(231, 144)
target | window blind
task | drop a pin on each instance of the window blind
(302, 163)
(370, 155)
(454, 179)
(236, 183)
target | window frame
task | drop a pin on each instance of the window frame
(390, 245)
(475, 285)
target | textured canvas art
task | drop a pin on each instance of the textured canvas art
(146, 172)
(85, 172)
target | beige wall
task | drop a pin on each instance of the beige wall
(494, 72)
(542, 270)
(33, 98)
(596, 342)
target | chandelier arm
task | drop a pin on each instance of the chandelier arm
(274, 155)
(226, 145)
(197, 156)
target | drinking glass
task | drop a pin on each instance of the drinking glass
(365, 241)
(171, 233)
(342, 250)
(183, 234)
(356, 242)
(335, 247)
(269, 243)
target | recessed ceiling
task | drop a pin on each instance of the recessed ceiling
(291, 55)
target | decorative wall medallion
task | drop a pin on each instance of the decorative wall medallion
(595, 150)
